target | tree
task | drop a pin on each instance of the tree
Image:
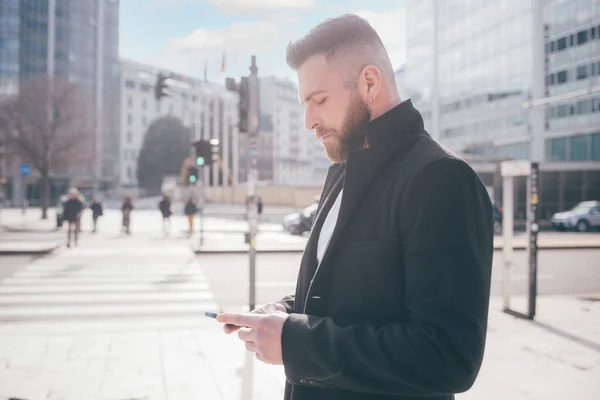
(48, 128)
(166, 144)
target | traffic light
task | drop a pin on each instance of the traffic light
(192, 175)
(160, 86)
(204, 152)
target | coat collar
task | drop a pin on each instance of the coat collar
(390, 136)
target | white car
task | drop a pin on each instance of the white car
(583, 217)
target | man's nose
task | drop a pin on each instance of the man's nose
(310, 121)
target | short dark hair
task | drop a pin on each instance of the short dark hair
(335, 36)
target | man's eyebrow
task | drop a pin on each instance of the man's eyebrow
(311, 95)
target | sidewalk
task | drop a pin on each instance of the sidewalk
(27, 234)
(557, 357)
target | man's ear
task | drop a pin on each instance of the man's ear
(370, 83)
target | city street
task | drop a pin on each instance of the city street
(121, 317)
(561, 272)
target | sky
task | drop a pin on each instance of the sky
(184, 35)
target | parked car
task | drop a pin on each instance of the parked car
(301, 221)
(498, 213)
(583, 217)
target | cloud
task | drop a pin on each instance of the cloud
(250, 6)
(188, 54)
(390, 26)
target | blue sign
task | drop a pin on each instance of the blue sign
(25, 169)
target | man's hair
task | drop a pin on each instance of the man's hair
(348, 38)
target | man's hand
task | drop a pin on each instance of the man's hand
(265, 309)
(260, 332)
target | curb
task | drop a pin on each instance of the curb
(292, 251)
(245, 251)
(18, 252)
(557, 247)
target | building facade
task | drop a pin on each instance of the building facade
(76, 40)
(208, 109)
(489, 76)
(298, 157)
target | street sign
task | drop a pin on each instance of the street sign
(25, 169)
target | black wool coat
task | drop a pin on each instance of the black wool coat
(398, 307)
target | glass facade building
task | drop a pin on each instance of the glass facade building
(75, 40)
(512, 79)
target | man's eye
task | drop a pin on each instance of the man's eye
(322, 101)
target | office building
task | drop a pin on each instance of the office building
(208, 109)
(76, 40)
(298, 157)
(512, 79)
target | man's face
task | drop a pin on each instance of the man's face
(334, 109)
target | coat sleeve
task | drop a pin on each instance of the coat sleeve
(288, 302)
(446, 230)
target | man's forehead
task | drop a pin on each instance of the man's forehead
(315, 74)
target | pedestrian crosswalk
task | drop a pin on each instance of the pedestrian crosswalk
(123, 282)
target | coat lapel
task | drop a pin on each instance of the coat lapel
(333, 185)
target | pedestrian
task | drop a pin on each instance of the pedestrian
(97, 212)
(126, 209)
(190, 210)
(165, 209)
(72, 214)
(392, 295)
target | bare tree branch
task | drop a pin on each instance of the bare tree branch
(48, 125)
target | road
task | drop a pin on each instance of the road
(570, 272)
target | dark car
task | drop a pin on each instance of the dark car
(498, 214)
(299, 222)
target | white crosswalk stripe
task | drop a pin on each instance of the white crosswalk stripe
(122, 281)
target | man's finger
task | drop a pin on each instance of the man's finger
(247, 335)
(229, 329)
(251, 347)
(244, 320)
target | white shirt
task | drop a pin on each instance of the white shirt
(328, 227)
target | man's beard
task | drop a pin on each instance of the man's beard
(353, 133)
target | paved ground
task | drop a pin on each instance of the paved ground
(120, 317)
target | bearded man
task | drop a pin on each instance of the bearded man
(393, 289)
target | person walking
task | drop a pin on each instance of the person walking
(190, 210)
(126, 209)
(97, 212)
(72, 214)
(392, 295)
(165, 209)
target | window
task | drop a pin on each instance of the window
(561, 77)
(129, 174)
(129, 101)
(579, 147)
(593, 33)
(552, 47)
(582, 72)
(584, 107)
(582, 37)
(144, 104)
(129, 84)
(128, 119)
(129, 137)
(561, 44)
(596, 146)
(572, 40)
(144, 87)
(556, 149)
